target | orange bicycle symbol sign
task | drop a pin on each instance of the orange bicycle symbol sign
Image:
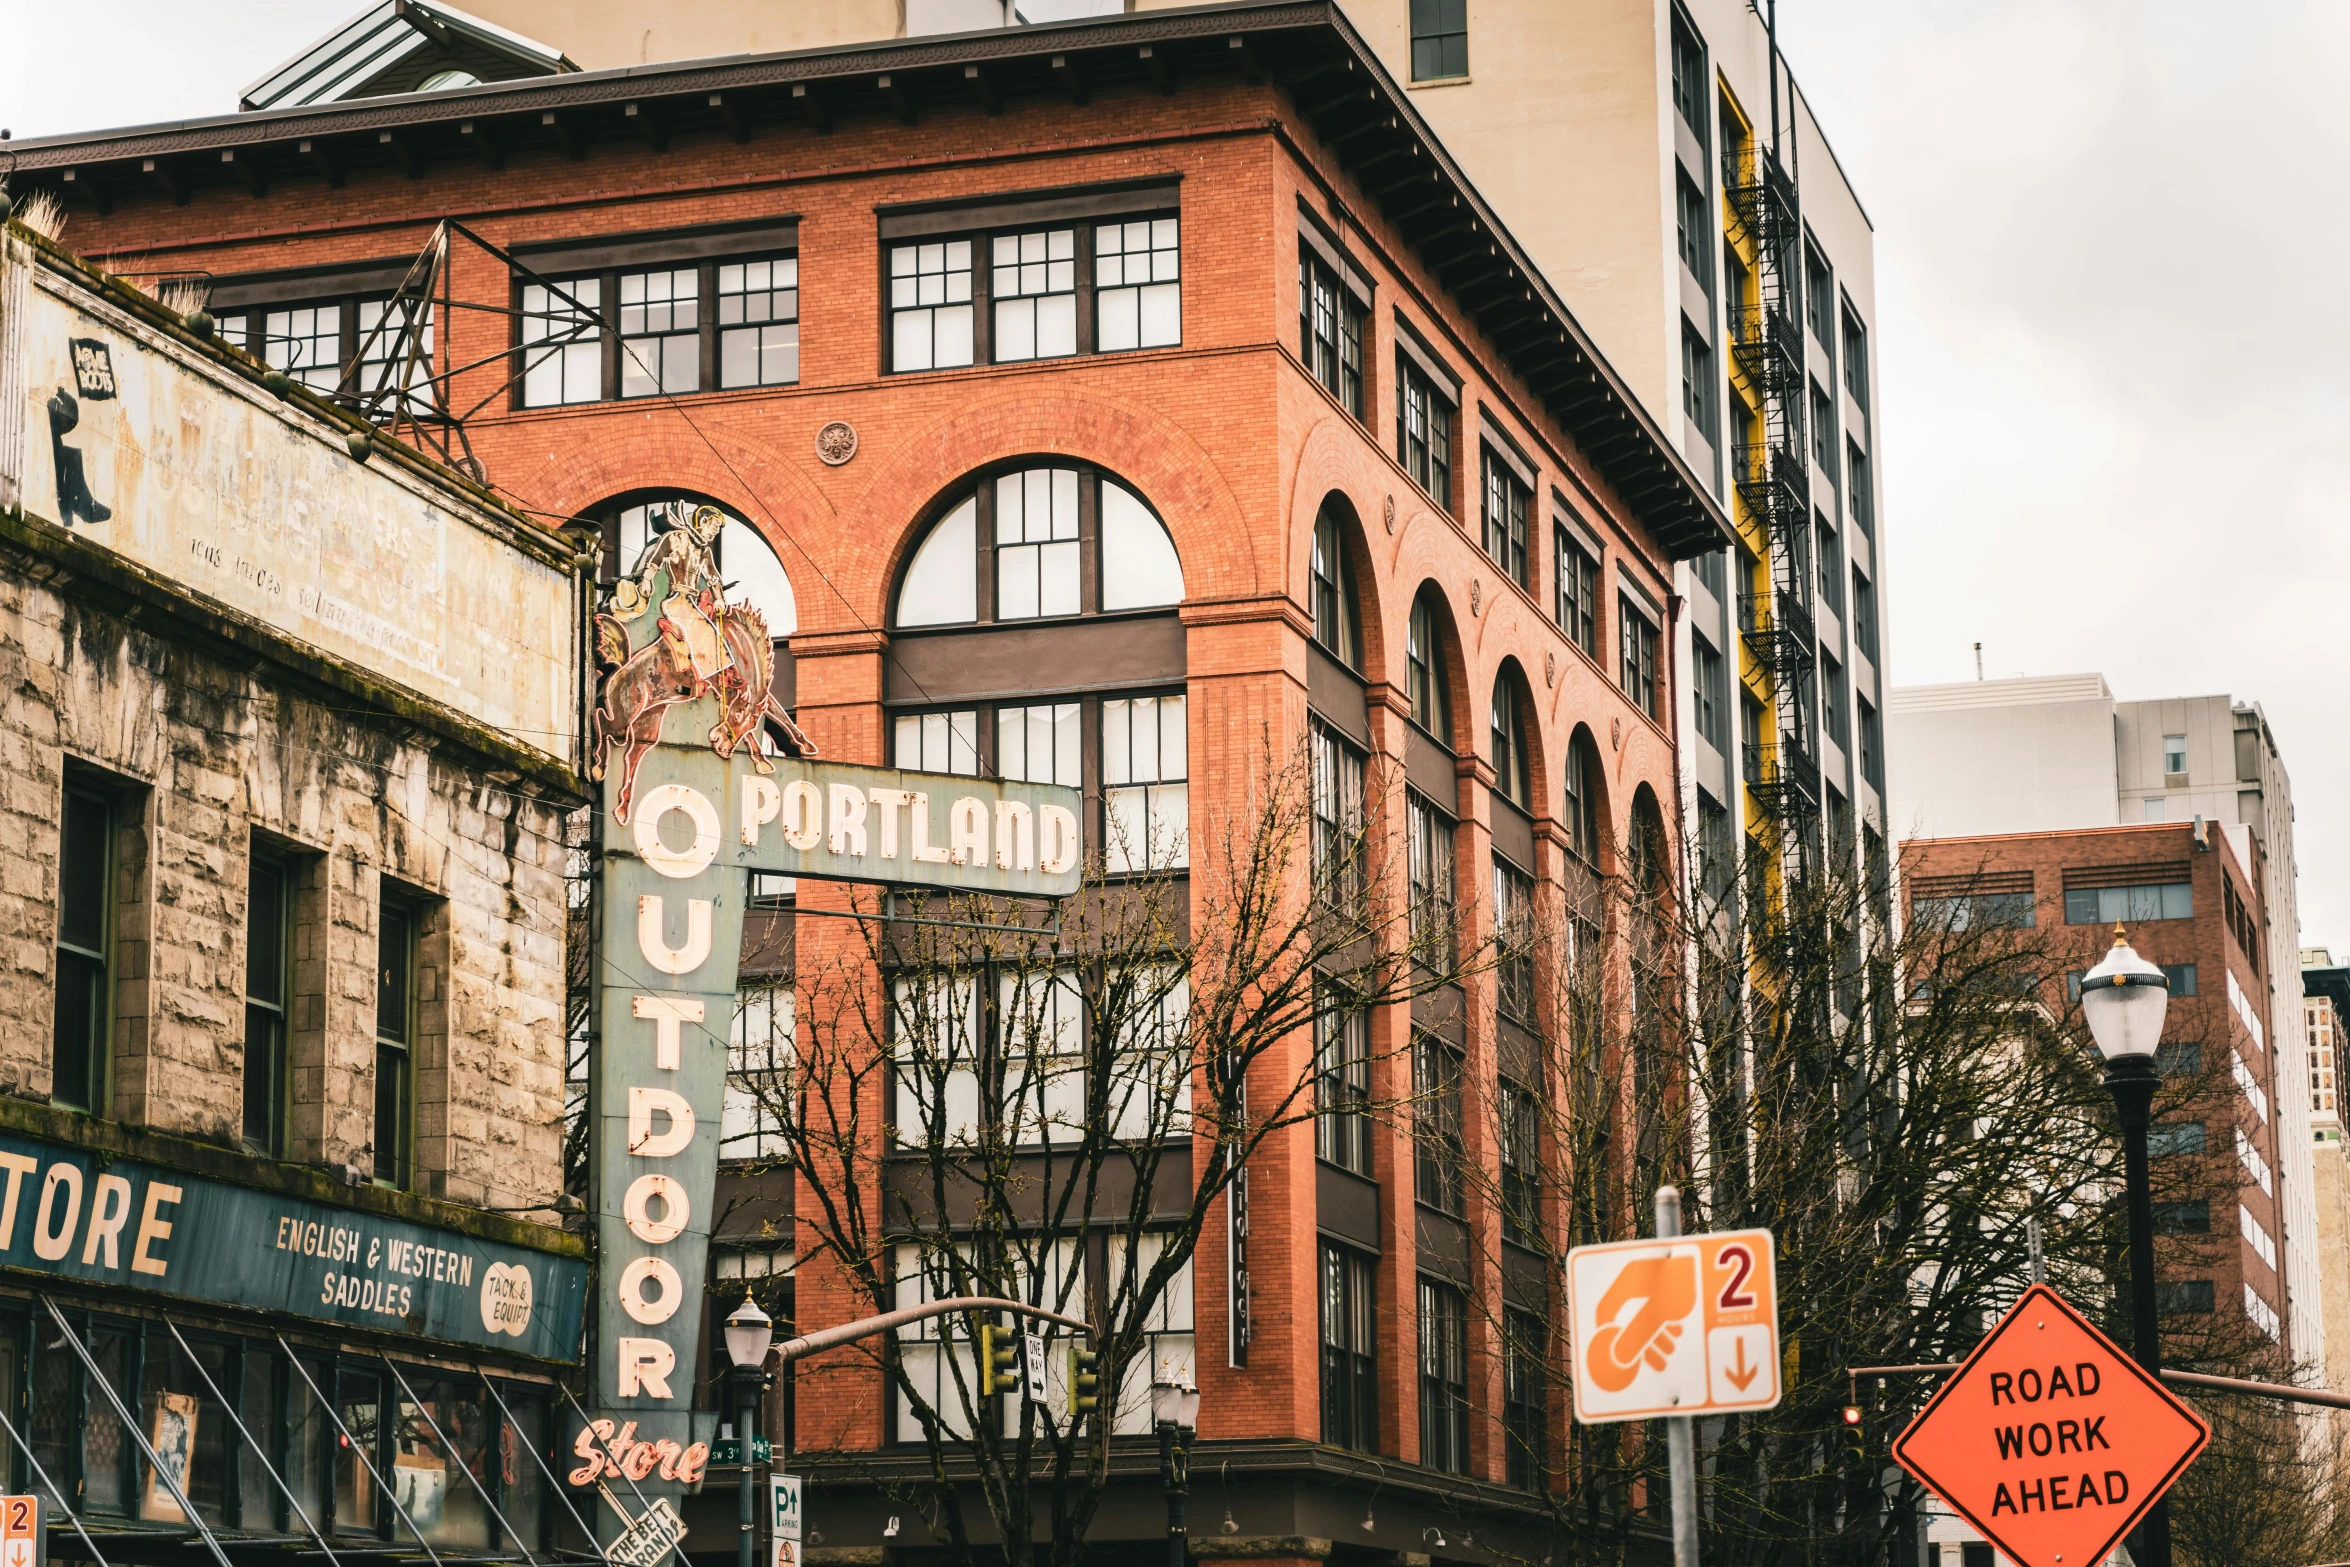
(1675, 1327)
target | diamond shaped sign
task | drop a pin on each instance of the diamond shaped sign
(2049, 1440)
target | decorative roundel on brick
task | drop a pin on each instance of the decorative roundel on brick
(1550, 669)
(1476, 597)
(1615, 734)
(836, 443)
(1391, 514)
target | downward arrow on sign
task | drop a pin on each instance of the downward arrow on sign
(1742, 1375)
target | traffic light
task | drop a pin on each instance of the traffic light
(1859, 1440)
(999, 1360)
(1085, 1379)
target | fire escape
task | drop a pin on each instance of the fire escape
(1782, 768)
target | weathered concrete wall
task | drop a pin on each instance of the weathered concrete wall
(208, 755)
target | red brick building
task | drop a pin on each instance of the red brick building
(2190, 904)
(930, 316)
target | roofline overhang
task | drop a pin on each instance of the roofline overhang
(1295, 42)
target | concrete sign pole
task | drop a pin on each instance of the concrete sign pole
(1680, 1434)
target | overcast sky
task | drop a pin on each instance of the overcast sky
(2110, 325)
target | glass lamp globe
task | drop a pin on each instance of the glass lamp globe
(748, 1334)
(2124, 999)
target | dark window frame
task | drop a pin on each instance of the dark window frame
(1349, 1337)
(269, 1019)
(1427, 419)
(1575, 604)
(1085, 290)
(1439, 1149)
(86, 946)
(1343, 1128)
(1525, 1399)
(400, 919)
(1444, 1375)
(1637, 650)
(607, 322)
(1439, 40)
(1507, 500)
(1334, 359)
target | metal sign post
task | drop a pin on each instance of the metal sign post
(1680, 1439)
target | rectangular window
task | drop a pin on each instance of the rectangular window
(306, 342)
(1709, 693)
(930, 305)
(2183, 1218)
(1693, 231)
(1506, 500)
(1440, 39)
(1337, 801)
(1330, 331)
(1819, 305)
(269, 989)
(1864, 614)
(1040, 1022)
(1429, 850)
(1342, 1081)
(759, 322)
(1521, 1164)
(660, 332)
(935, 1354)
(1444, 1377)
(1856, 361)
(1577, 609)
(1872, 745)
(1514, 932)
(2183, 1297)
(395, 1041)
(1350, 1346)
(2174, 755)
(85, 952)
(1036, 549)
(1438, 1170)
(935, 1032)
(1042, 744)
(1138, 293)
(1833, 701)
(562, 345)
(1697, 381)
(1859, 499)
(2173, 900)
(2175, 1137)
(1831, 560)
(1146, 803)
(1033, 282)
(1977, 911)
(1636, 663)
(396, 355)
(2181, 977)
(1423, 431)
(1525, 1399)
(938, 742)
(1823, 432)
(752, 1119)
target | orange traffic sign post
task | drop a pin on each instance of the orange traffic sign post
(2049, 1439)
(1686, 1326)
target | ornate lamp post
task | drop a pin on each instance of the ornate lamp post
(1175, 1417)
(748, 1334)
(2124, 1000)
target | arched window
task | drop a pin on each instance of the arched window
(1425, 676)
(1511, 765)
(746, 561)
(1644, 855)
(1338, 623)
(1013, 547)
(1582, 802)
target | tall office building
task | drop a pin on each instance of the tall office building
(2058, 752)
(1659, 162)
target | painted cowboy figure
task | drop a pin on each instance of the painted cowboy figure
(701, 645)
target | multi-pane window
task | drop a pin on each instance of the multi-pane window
(1424, 675)
(1832, 700)
(1032, 278)
(1512, 768)
(753, 1117)
(2134, 905)
(1582, 801)
(937, 742)
(1513, 932)
(1043, 743)
(660, 335)
(1342, 1081)
(306, 342)
(1036, 554)
(85, 961)
(1525, 1399)
(759, 322)
(1697, 380)
(269, 974)
(1439, 1169)
(1819, 304)
(1856, 361)
(1444, 1377)
(1146, 803)
(562, 353)
(395, 1041)
(1689, 78)
(1350, 1346)
(1577, 610)
(1823, 432)
(394, 354)
(1337, 803)
(1693, 231)
(1872, 744)
(1150, 1091)
(1138, 295)
(1521, 1163)
(1429, 851)
(1709, 693)
(1423, 431)
(930, 305)
(1864, 613)
(936, 1029)
(2174, 755)
(1440, 39)
(1636, 662)
(1336, 623)
(1506, 500)
(1330, 331)
(1831, 561)
(935, 1355)
(1040, 1020)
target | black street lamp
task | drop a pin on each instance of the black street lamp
(749, 1332)
(1175, 1416)
(2124, 999)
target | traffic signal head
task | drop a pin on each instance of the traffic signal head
(1852, 1414)
(1085, 1379)
(999, 1357)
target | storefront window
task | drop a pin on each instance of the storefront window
(262, 1504)
(360, 1397)
(522, 1486)
(430, 1467)
(309, 1438)
(105, 1445)
(188, 1429)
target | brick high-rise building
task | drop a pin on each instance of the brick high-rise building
(1162, 362)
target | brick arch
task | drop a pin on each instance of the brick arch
(1331, 463)
(1151, 455)
(1459, 698)
(1505, 621)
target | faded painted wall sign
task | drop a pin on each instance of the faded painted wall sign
(138, 443)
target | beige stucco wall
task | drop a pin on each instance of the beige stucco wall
(1993, 756)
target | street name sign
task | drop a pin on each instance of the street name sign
(2050, 1440)
(1688, 1326)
